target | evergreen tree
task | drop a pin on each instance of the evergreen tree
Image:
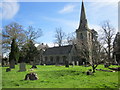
(14, 54)
(29, 52)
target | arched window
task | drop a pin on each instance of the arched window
(57, 59)
(51, 59)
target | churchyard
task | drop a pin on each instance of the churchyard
(81, 58)
(51, 76)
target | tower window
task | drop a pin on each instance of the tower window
(81, 35)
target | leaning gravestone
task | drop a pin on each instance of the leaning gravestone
(22, 67)
(12, 64)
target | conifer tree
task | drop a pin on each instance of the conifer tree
(14, 54)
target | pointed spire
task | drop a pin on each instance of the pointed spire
(83, 20)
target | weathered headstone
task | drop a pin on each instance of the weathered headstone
(22, 67)
(31, 76)
(12, 64)
(73, 63)
(66, 64)
(77, 63)
(83, 63)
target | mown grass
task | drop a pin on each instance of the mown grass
(60, 77)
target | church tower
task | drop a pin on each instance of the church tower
(84, 35)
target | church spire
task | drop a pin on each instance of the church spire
(83, 20)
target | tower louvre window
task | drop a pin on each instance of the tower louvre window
(81, 35)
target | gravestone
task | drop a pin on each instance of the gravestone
(73, 63)
(77, 63)
(12, 64)
(8, 69)
(66, 64)
(83, 63)
(22, 67)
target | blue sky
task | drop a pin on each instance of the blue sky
(50, 15)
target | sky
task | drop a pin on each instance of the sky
(51, 15)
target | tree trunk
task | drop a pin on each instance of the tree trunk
(94, 67)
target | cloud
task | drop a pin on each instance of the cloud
(67, 9)
(9, 9)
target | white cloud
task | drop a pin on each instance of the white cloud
(67, 9)
(9, 9)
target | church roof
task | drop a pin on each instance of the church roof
(61, 50)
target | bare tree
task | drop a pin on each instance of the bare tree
(107, 38)
(82, 50)
(16, 31)
(59, 36)
(91, 55)
(10, 32)
(33, 34)
(96, 50)
(71, 38)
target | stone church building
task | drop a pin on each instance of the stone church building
(73, 54)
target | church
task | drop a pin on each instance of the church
(78, 53)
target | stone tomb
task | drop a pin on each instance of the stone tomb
(22, 67)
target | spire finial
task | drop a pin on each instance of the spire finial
(83, 20)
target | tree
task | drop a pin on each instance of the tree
(82, 50)
(32, 34)
(10, 32)
(14, 54)
(59, 36)
(30, 52)
(107, 38)
(95, 50)
(21, 36)
(90, 55)
(71, 38)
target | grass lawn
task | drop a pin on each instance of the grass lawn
(60, 77)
